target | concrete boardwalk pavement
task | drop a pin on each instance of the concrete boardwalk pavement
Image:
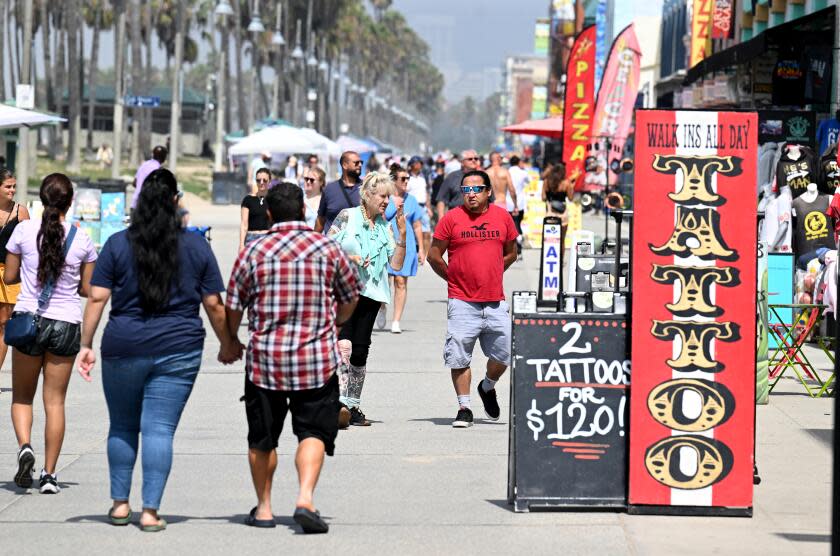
(410, 484)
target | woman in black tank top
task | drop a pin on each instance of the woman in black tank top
(254, 220)
(11, 214)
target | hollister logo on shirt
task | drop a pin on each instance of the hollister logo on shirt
(480, 232)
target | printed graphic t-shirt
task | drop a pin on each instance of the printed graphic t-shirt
(813, 227)
(798, 173)
(476, 252)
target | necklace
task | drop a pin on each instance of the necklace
(365, 214)
(262, 199)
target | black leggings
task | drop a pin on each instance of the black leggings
(359, 328)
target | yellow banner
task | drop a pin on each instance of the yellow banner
(701, 28)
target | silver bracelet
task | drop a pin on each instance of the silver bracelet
(400, 244)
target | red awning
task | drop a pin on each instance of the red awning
(549, 127)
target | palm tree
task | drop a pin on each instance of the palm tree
(237, 24)
(97, 17)
(175, 126)
(137, 85)
(119, 92)
(2, 50)
(74, 29)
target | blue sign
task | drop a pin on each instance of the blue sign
(142, 102)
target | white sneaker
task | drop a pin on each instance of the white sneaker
(380, 318)
(395, 327)
(49, 483)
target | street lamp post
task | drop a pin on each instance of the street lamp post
(255, 27)
(297, 59)
(278, 41)
(311, 81)
(223, 9)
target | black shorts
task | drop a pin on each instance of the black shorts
(55, 336)
(314, 414)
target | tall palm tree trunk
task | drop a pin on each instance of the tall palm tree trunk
(2, 49)
(241, 110)
(119, 91)
(10, 39)
(146, 129)
(175, 125)
(94, 68)
(44, 10)
(60, 74)
(137, 87)
(74, 98)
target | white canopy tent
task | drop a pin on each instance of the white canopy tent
(12, 117)
(279, 140)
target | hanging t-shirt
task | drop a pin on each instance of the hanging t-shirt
(789, 82)
(829, 178)
(827, 133)
(476, 252)
(813, 227)
(796, 173)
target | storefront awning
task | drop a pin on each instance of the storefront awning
(744, 52)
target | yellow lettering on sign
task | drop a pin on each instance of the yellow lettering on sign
(581, 67)
(580, 110)
(578, 153)
(579, 133)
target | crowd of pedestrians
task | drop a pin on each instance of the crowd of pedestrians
(317, 265)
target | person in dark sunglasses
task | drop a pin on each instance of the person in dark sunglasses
(342, 193)
(254, 218)
(480, 241)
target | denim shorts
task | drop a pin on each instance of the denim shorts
(467, 321)
(55, 336)
(425, 221)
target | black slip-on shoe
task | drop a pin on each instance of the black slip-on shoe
(252, 521)
(464, 419)
(311, 522)
(491, 404)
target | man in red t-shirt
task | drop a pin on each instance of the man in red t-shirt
(480, 239)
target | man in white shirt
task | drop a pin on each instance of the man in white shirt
(520, 179)
(419, 188)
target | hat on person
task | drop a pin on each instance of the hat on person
(414, 159)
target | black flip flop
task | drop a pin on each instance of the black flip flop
(311, 522)
(252, 520)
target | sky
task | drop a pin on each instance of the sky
(470, 39)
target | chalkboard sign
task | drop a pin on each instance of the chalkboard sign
(568, 431)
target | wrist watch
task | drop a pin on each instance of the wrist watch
(400, 243)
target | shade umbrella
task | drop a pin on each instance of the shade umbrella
(351, 143)
(326, 146)
(549, 127)
(279, 139)
(11, 117)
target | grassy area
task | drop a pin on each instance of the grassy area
(194, 174)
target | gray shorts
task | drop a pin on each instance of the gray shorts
(489, 323)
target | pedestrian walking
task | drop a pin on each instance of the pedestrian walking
(480, 241)
(159, 154)
(53, 261)
(366, 237)
(449, 195)
(415, 253)
(342, 193)
(297, 286)
(258, 163)
(253, 222)
(313, 185)
(14, 214)
(519, 175)
(418, 187)
(156, 276)
(501, 180)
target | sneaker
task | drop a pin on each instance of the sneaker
(464, 419)
(395, 327)
(380, 317)
(357, 418)
(491, 404)
(49, 483)
(26, 461)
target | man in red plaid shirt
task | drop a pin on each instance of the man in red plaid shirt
(298, 286)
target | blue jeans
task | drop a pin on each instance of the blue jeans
(145, 395)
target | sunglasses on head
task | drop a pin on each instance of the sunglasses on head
(472, 189)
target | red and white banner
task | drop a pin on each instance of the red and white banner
(579, 104)
(692, 401)
(723, 19)
(617, 95)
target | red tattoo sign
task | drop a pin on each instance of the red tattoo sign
(579, 104)
(693, 343)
